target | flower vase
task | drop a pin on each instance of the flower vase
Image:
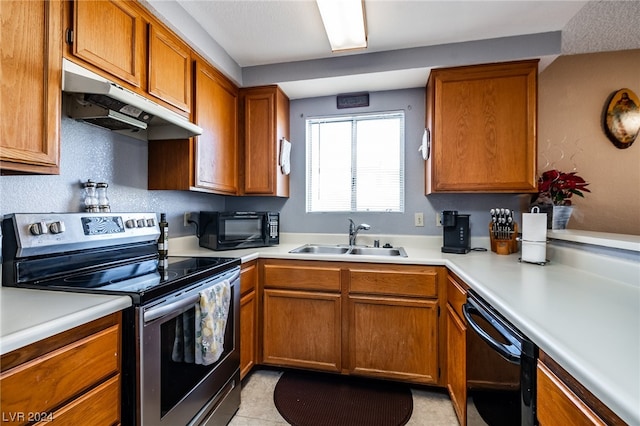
(561, 216)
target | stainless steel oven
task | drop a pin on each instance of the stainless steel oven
(173, 387)
(514, 349)
(116, 253)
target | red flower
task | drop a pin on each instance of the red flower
(561, 186)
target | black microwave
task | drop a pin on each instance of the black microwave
(237, 230)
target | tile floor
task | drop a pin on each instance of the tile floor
(430, 408)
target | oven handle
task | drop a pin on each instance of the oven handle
(187, 299)
(512, 352)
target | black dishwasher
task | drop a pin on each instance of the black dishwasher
(513, 346)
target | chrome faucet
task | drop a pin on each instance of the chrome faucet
(353, 231)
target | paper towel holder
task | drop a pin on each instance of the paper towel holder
(532, 250)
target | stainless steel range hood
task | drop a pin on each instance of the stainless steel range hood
(95, 100)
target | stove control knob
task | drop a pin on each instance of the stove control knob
(151, 223)
(57, 227)
(38, 228)
(141, 223)
(130, 223)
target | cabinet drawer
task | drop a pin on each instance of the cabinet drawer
(101, 406)
(456, 295)
(248, 277)
(50, 380)
(405, 281)
(323, 278)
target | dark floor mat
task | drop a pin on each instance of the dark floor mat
(319, 399)
(497, 408)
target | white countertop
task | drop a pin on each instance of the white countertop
(582, 309)
(27, 316)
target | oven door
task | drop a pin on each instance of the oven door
(514, 350)
(173, 389)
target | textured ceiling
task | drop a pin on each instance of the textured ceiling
(603, 26)
(266, 32)
(261, 34)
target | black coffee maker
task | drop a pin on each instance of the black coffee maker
(455, 230)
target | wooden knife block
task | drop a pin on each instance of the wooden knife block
(504, 246)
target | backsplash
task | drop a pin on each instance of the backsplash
(89, 152)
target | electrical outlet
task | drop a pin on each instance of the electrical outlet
(438, 219)
(419, 219)
(187, 218)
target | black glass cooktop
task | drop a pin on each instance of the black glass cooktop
(145, 280)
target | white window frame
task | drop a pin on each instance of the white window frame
(354, 118)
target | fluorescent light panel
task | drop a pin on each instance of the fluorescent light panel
(344, 23)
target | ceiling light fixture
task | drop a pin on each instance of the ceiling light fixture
(344, 22)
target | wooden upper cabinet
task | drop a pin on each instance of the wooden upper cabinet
(216, 111)
(111, 36)
(30, 98)
(482, 124)
(208, 162)
(169, 68)
(265, 122)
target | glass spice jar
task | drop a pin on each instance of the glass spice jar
(103, 200)
(90, 197)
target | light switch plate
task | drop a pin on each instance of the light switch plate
(419, 219)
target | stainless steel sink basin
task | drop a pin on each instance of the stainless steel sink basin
(379, 251)
(355, 251)
(321, 249)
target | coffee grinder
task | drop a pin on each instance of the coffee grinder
(455, 230)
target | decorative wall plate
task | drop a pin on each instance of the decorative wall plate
(622, 118)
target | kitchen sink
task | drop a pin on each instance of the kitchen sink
(354, 251)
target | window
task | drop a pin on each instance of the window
(356, 163)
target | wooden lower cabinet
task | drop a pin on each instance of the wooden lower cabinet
(394, 338)
(456, 370)
(70, 378)
(562, 400)
(248, 317)
(302, 329)
(352, 318)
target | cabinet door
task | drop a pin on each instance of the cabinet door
(259, 143)
(169, 68)
(30, 99)
(483, 127)
(302, 329)
(558, 405)
(216, 111)
(247, 333)
(110, 35)
(394, 338)
(248, 317)
(457, 363)
(265, 118)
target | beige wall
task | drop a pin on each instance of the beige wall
(572, 93)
